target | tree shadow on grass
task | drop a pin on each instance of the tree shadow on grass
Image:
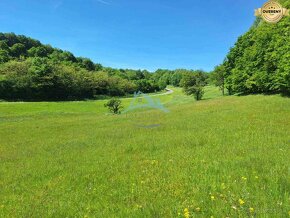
(284, 95)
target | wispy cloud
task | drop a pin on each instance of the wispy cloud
(103, 2)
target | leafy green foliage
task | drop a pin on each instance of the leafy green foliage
(38, 52)
(42, 79)
(218, 77)
(193, 84)
(259, 61)
(33, 71)
(4, 56)
(114, 105)
(17, 50)
(30, 70)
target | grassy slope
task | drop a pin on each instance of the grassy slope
(72, 160)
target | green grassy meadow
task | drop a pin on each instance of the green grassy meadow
(219, 157)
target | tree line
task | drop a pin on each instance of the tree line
(259, 62)
(32, 71)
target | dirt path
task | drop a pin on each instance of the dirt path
(168, 92)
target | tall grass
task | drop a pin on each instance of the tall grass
(220, 157)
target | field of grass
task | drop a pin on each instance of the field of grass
(220, 157)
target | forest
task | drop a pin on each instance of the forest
(259, 62)
(32, 71)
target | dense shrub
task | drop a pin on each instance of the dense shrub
(114, 106)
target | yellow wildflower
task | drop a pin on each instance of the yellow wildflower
(186, 213)
(212, 198)
(241, 201)
(251, 210)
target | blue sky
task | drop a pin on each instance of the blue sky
(138, 34)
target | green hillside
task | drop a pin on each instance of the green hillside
(221, 157)
(32, 71)
(62, 154)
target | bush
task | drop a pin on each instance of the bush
(114, 105)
